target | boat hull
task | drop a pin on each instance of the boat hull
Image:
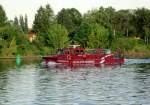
(82, 56)
(101, 60)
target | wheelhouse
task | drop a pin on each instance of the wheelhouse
(71, 51)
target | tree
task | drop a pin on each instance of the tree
(3, 18)
(81, 36)
(16, 21)
(57, 36)
(147, 34)
(22, 23)
(121, 22)
(71, 19)
(100, 16)
(141, 21)
(12, 38)
(98, 37)
(26, 24)
(44, 18)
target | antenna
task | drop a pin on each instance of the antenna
(74, 46)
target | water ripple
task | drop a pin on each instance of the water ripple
(118, 85)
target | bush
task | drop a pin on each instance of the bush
(123, 43)
(140, 48)
(129, 44)
(8, 52)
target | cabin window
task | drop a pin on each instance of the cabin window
(72, 51)
(77, 52)
(67, 52)
(90, 51)
(60, 52)
(81, 52)
(101, 51)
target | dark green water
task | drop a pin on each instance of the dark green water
(31, 84)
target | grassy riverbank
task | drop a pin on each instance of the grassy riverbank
(133, 54)
(127, 54)
(23, 57)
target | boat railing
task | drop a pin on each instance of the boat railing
(97, 51)
(73, 46)
(90, 51)
(52, 52)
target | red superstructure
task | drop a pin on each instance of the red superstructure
(77, 55)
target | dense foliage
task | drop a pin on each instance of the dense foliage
(98, 28)
(43, 19)
(3, 18)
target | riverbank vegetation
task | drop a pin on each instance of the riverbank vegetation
(98, 28)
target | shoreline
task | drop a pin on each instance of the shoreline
(141, 55)
(23, 57)
(129, 54)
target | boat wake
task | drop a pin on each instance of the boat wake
(136, 61)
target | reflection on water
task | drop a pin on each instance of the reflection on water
(6, 64)
(31, 84)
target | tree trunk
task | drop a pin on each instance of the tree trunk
(114, 33)
(145, 39)
(127, 32)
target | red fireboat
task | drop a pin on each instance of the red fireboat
(76, 55)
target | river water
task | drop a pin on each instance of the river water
(32, 84)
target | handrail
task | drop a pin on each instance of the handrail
(74, 46)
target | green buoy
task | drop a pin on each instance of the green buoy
(18, 59)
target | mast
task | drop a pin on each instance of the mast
(74, 46)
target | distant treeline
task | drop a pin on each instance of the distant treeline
(98, 28)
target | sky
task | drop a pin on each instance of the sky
(21, 7)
